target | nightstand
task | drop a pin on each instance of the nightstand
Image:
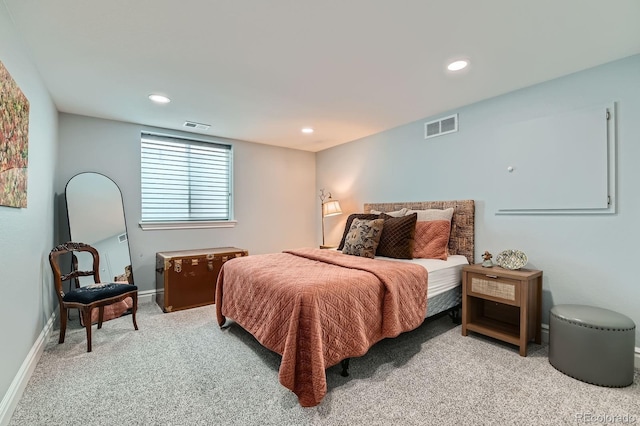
(503, 304)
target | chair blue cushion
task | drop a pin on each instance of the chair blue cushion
(94, 292)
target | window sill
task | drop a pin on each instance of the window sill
(155, 226)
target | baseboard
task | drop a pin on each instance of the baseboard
(146, 296)
(545, 339)
(545, 333)
(14, 393)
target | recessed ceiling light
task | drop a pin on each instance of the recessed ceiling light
(457, 65)
(307, 130)
(159, 99)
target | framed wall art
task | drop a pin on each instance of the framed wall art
(14, 142)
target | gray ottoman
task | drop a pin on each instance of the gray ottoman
(592, 344)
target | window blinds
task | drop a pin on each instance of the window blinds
(184, 180)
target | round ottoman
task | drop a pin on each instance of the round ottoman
(592, 344)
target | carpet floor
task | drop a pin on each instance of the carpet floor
(182, 369)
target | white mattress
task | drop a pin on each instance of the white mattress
(443, 274)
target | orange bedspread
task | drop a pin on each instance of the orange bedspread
(317, 307)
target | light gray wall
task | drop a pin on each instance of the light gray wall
(26, 235)
(274, 192)
(586, 259)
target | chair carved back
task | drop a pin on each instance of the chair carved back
(70, 247)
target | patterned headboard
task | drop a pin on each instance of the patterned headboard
(461, 240)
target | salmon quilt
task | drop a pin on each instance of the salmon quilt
(318, 307)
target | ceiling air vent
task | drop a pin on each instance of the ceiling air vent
(194, 125)
(441, 126)
(122, 238)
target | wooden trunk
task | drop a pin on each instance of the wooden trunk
(187, 278)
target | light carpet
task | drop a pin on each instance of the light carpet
(182, 369)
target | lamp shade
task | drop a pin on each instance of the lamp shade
(331, 208)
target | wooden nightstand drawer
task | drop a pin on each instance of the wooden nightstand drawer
(490, 287)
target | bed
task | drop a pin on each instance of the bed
(317, 308)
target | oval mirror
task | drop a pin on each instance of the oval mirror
(96, 217)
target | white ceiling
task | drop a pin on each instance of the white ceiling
(261, 70)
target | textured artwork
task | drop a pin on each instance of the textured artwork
(14, 139)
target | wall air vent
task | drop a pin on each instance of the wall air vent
(122, 238)
(194, 125)
(440, 127)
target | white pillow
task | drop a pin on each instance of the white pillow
(432, 214)
(398, 213)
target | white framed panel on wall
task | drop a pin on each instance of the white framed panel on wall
(562, 164)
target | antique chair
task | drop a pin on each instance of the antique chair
(86, 298)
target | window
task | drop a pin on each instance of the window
(185, 183)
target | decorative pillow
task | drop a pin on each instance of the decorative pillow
(397, 239)
(433, 214)
(398, 213)
(432, 239)
(366, 216)
(363, 237)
